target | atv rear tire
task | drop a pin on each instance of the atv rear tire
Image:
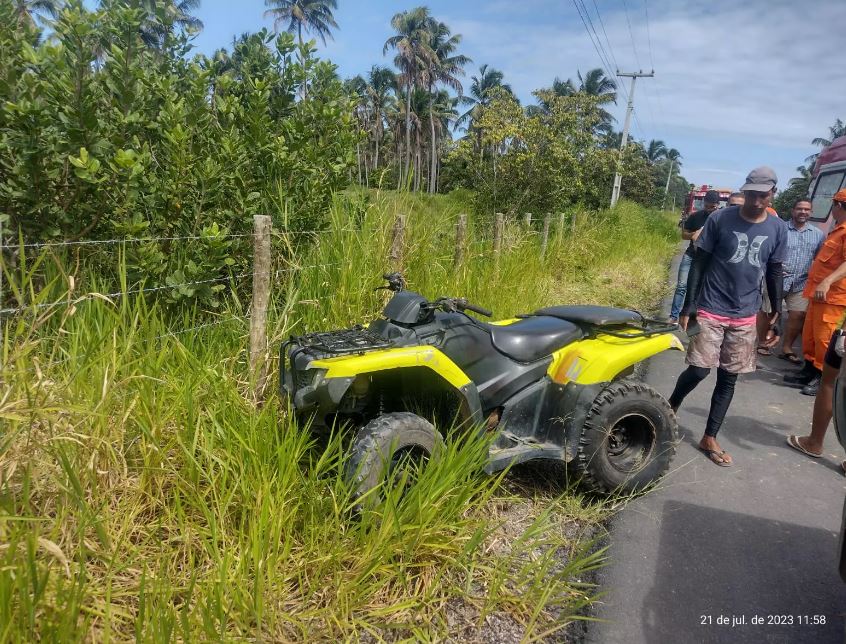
(629, 438)
(385, 445)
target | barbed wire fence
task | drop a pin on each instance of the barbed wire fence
(263, 274)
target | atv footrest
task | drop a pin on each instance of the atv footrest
(499, 459)
(344, 341)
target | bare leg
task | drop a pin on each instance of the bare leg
(793, 329)
(822, 412)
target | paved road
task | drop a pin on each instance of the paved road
(759, 538)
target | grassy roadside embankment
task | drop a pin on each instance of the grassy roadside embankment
(143, 496)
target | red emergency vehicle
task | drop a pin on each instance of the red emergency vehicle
(829, 176)
(696, 199)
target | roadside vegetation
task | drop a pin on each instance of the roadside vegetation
(143, 495)
(143, 492)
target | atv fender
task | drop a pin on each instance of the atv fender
(340, 372)
(602, 359)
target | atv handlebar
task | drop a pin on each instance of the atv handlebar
(457, 304)
(464, 305)
(396, 283)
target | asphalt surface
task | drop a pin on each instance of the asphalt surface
(712, 546)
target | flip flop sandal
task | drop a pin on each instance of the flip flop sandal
(793, 441)
(843, 467)
(716, 457)
(764, 351)
(790, 357)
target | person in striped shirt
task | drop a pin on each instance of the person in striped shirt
(803, 242)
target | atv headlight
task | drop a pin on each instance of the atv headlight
(308, 378)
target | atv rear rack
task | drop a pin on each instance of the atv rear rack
(647, 328)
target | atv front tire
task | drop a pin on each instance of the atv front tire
(629, 438)
(384, 447)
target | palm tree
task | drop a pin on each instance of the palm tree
(835, 131)
(674, 157)
(27, 10)
(381, 83)
(655, 151)
(611, 140)
(310, 15)
(479, 96)
(481, 93)
(445, 67)
(177, 14)
(414, 56)
(357, 89)
(559, 88)
(805, 175)
(597, 84)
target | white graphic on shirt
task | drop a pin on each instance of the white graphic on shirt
(745, 249)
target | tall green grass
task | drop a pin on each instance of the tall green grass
(144, 496)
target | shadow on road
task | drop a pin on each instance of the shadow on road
(752, 566)
(746, 434)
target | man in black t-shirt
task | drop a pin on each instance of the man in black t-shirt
(691, 228)
(739, 247)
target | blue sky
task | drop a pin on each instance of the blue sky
(736, 85)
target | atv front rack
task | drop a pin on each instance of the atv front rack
(342, 342)
(323, 345)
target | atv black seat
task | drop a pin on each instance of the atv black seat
(585, 315)
(534, 338)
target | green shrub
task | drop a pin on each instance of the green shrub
(102, 136)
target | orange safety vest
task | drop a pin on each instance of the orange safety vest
(830, 257)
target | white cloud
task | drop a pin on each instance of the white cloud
(726, 74)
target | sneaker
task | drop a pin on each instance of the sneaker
(802, 377)
(812, 387)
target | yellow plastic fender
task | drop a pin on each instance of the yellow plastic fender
(600, 359)
(420, 356)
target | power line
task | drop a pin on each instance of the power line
(596, 35)
(602, 24)
(631, 33)
(611, 50)
(605, 64)
(657, 88)
(602, 60)
(648, 32)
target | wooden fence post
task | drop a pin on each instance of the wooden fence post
(545, 238)
(397, 236)
(528, 218)
(2, 261)
(460, 239)
(562, 222)
(499, 225)
(261, 295)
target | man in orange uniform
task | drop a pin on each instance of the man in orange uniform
(826, 294)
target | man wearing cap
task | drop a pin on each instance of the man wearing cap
(826, 293)
(738, 247)
(691, 230)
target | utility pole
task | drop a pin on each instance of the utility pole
(667, 187)
(615, 194)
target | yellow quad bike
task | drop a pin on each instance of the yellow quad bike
(551, 384)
